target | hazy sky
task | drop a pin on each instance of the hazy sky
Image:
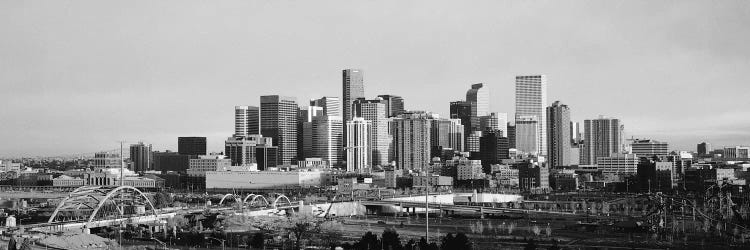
(78, 76)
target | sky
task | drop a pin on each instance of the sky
(76, 77)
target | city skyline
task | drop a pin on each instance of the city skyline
(90, 87)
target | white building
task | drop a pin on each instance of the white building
(7, 166)
(358, 143)
(619, 164)
(263, 179)
(527, 131)
(205, 163)
(531, 100)
(469, 170)
(246, 121)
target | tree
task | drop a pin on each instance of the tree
(301, 226)
(391, 240)
(369, 241)
(258, 240)
(162, 200)
(330, 234)
(410, 245)
(460, 241)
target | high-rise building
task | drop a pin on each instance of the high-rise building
(358, 143)
(140, 155)
(191, 145)
(648, 148)
(447, 133)
(331, 105)
(736, 152)
(241, 151)
(411, 140)
(618, 164)
(246, 121)
(558, 134)
(527, 129)
(394, 105)
(512, 134)
(704, 148)
(172, 161)
(381, 141)
(480, 95)
(533, 177)
(495, 120)
(531, 100)
(472, 142)
(267, 157)
(353, 89)
(279, 122)
(575, 133)
(493, 148)
(462, 110)
(602, 137)
(305, 132)
(327, 141)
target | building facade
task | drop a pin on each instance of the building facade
(353, 89)
(246, 121)
(279, 122)
(602, 137)
(531, 100)
(191, 145)
(358, 143)
(394, 105)
(411, 140)
(381, 140)
(527, 139)
(141, 156)
(558, 135)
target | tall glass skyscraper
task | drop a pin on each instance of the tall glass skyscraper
(354, 88)
(279, 121)
(531, 100)
(558, 128)
(246, 121)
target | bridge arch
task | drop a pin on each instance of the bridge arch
(87, 202)
(247, 197)
(256, 198)
(276, 201)
(237, 198)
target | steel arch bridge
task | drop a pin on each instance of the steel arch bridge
(257, 200)
(89, 203)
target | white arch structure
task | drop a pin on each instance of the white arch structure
(88, 201)
(276, 201)
(237, 198)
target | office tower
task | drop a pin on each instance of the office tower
(172, 161)
(602, 137)
(326, 139)
(495, 120)
(531, 100)
(446, 134)
(354, 88)
(394, 105)
(191, 145)
(241, 151)
(106, 160)
(140, 155)
(527, 129)
(512, 134)
(472, 143)
(575, 132)
(267, 157)
(648, 148)
(493, 148)
(358, 144)
(558, 135)
(480, 95)
(411, 140)
(304, 124)
(381, 141)
(246, 121)
(279, 122)
(462, 110)
(331, 105)
(704, 148)
(617, 164)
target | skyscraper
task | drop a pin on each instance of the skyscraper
(648, 148)
(394, 105)
(191, 145)
(305, 143)
(246, 121)
(602, 137)
(279, 122)
(331, 105)
(358, 144)
(558, 131)
(446, 133)
(327, 140)
(353, 88)
(531, 100)
(480, 95)
(462, 110)
(493, 148)
(411, 139)
(495, 120)
(704, 148)
(527, 129)
(381, 141)
(242, 150)
(140, 155)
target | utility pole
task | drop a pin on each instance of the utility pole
(427, 214)
(122, 164)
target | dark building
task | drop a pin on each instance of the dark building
(141, 156)
(191, 145)
(394, 105)
(533, 177)
(655, 176)
(512, 135)
(172, 161)
(267, 157)
(699, 179)
(704, 149)
(279, 122)
(493, 148)
(558, 135)
(462, 110)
